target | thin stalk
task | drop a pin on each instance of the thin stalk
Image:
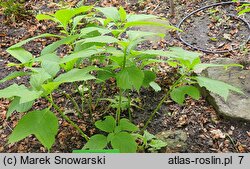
(118, 112)
(67, 119)
(90, 104)
(129, 106)
(74, 103)
(100, 95)
(177, 82)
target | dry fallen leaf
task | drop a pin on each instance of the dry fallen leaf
(217, 134)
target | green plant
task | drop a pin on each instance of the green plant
(150, 142)
(111, 42)
(13, 8)
(118, 136)
(187, 63)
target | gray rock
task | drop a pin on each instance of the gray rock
(176, 140)
(237, 106)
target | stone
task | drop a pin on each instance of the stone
(237, 105)
(175, 139)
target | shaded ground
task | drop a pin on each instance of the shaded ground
(207, 132)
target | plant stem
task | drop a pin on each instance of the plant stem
(100, 96)
(177, 82)
(67, 119)
(118, 112)
(74, 103)
(90, 104)
(129, 106)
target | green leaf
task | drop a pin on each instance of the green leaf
(149, 77)
(123, 14)
(52, 47)
(178, 94)
(157, 144)
(99, 39)
(203, 66)
(134, 35)
(96, 142)
(37, 79)
(218, 87)
(88, 30)
(40, 17)
(148, 23)
(81, 54)
(76, 75)
(50, 87)
(130, 77)
(107, 125)
(155, 86)
(17, 45)
(126, 125)
(148, 136)
(110, 12)
(65, 15)
(15, 105)
(50, 61)
(139, 17)
(21, 54)
(21, 91)
(14, 75)
(110, 137)
(125, 142)
(42, 123)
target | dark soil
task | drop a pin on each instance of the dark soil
(197, 118)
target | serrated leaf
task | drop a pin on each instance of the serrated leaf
(96, 142)
(14, 75)
(21, 91)
(107, 125)
(125, 142)
(42, 123)
(126, 125)
(130, 77)
(178, 94)
(16, 106)
(218, 87)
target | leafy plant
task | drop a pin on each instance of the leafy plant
(187, 63)
(118, 136)
(13, 8)
(150, 142)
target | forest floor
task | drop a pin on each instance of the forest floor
(206, 130)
